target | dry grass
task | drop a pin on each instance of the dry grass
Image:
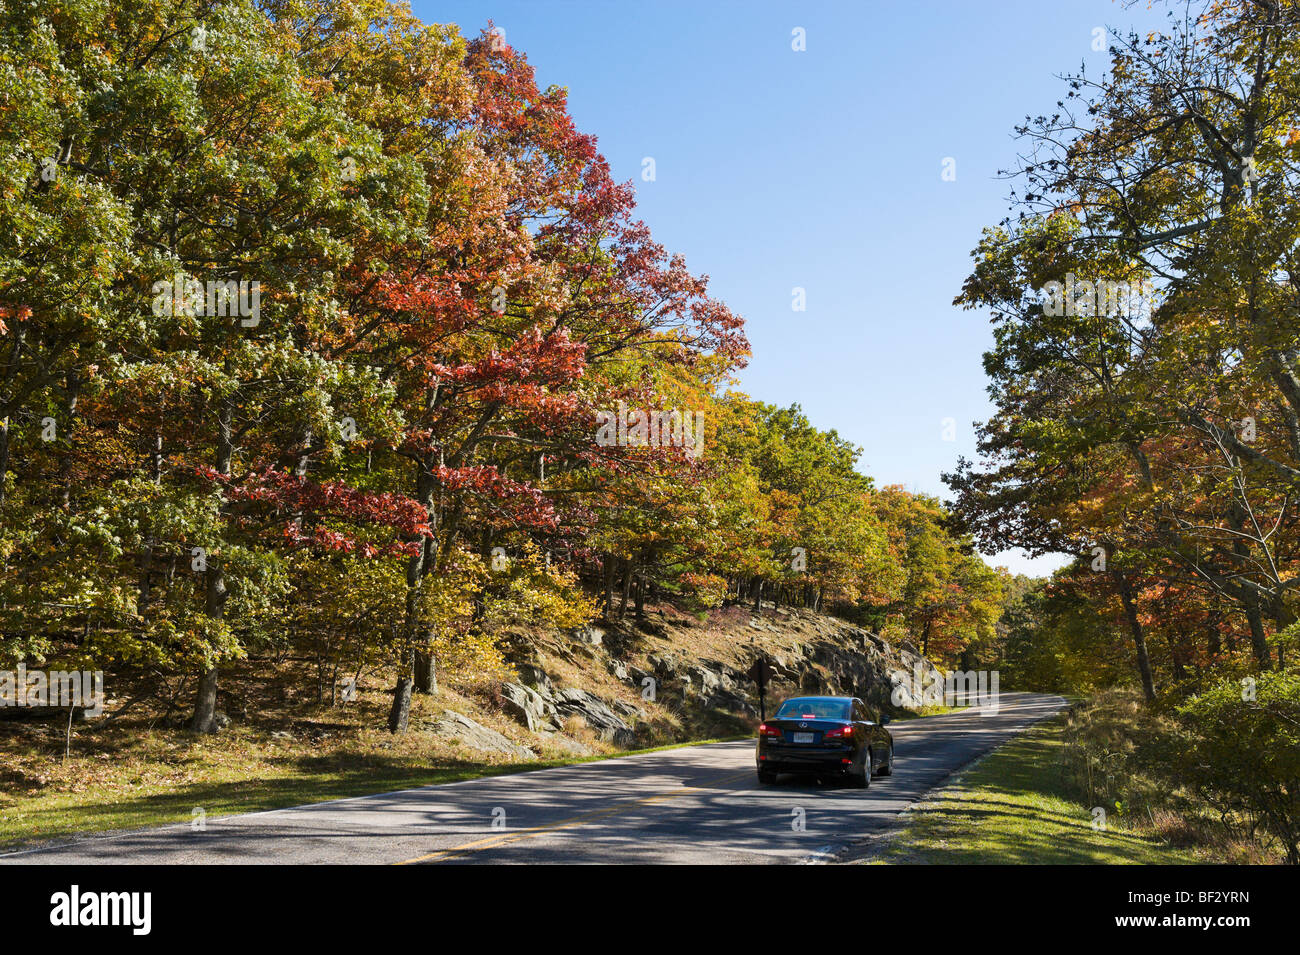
(1033, 800)
(1014, 808)
(1115, 755)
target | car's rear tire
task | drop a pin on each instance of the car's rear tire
(887, 767)
(864, 780)
(766, 777)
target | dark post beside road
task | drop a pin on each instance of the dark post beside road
(761, 672)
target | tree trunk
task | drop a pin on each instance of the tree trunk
(426, 675)
(1258, 638)
(205, 703)
(147, 550)
(1282, 618)
(1174, 658)
(627, 588)
(609, 586)
(1249, 600)
(1139, 638)
(400, 715)
(418, 665)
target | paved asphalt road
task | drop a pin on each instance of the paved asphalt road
(698, 804)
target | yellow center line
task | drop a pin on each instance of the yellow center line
(580, 820)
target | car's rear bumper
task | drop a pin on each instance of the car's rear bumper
(789, 759)
(818, 769)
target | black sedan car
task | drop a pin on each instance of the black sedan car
(825, 736)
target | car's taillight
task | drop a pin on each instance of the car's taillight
(841, 732)
(765, 730)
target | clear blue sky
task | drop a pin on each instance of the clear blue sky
(822, 169)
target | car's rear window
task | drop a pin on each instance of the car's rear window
(813, 709)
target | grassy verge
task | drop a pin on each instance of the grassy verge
(240, 775)
(899, 715)
(1016, 806)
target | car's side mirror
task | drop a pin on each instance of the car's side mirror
(884, 718)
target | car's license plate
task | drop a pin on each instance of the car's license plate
(803, 737)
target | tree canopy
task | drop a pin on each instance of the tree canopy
(323, 328)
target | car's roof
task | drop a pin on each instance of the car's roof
(838, 699)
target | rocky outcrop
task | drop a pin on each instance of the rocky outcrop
(617, 669)
(535, 677)
(839, 660)
(591, 635)
(596, 714)
(570, 746)
(531, 707)
(855, 662)
(543, 711)
(476, 736)
(828, 656)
